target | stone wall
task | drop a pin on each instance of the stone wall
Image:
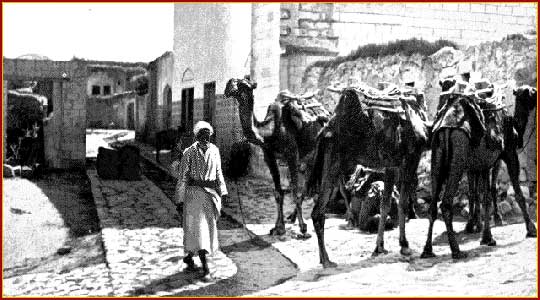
(509, 63)
(342, 27)
(65, 130)
(164, 82)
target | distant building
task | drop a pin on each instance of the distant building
(73, 101)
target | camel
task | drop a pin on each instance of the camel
(278, 134)
(376, 139)
(455, 152)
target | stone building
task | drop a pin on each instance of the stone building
(67, 85)
(111, 95)
(214, 43)
(319, 31)
(159, 112)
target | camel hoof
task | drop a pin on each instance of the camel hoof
(292, 218)
(427, 254)
(303, 228)
(406, 251)
(412, 216)
(329, 264)
(498, 220)
(378, 251)
(303, 236)
(531, 230)
(489, 242)
(469, 228)
(531, 234)
(277, 231)
(459, 255)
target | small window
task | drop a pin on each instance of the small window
(106, 90)
(96, 90)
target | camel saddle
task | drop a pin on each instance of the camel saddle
(405, 103)
(301, 109)
(484, 108)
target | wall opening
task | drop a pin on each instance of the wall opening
(131, 116)
(96, 90)
(187, 109)
(167, 118)
(209, 102)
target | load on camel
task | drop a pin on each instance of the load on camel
(382, 130)
(288, 131)
(472, 132)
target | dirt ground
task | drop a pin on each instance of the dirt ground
(50, 224)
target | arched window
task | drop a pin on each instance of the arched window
(188, 75)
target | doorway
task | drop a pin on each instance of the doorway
(131, 116)
(187, 109)
(167, 118)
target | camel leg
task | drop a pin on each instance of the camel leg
(389, 181)
(483, 188)
(493, 192)
(433, 212)
(407, 183)
(413, 198)
(347, 197)
(270, 160)
(473, 224)
(317, 215)
(512, 163)
(437, 181)
(297, 196)
(458, 144)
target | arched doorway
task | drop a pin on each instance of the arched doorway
(167, 100)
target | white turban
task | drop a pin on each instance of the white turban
(201, 125)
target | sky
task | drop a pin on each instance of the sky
(129, 32)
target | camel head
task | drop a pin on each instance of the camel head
(242, 91)
(526, 100)
(238, 88)
(526, 97)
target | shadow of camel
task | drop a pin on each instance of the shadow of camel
(415, 263)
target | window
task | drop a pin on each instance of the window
(96, 90)
(106, 90)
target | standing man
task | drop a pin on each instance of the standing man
(200, 187)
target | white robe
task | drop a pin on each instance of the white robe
(202, 205)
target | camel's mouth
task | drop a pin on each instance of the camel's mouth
(234, 86)
(231, 88)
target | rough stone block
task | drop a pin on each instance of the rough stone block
(130, 168)
(107, 164)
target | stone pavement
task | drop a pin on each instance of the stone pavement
(142, 238)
